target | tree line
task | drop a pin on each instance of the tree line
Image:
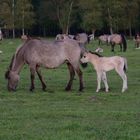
(49, 17)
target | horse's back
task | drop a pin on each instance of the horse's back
(115, 38)
(50, 54)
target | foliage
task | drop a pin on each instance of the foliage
(24, 14)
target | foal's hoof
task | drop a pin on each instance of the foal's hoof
(123, 90)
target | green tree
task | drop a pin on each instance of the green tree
(7, 14)
(24, 15)
(92, 14)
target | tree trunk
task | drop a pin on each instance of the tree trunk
(13, 14)
(69, 14)
(130, 30)
(110, 21)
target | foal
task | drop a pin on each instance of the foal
(104, 64)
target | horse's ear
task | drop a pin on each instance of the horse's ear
(7, 74)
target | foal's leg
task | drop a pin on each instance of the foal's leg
(79, 72)
(99, 75)
(32, 71)
(41, 78)
(122, 74)
(72, 74)
(104, 78)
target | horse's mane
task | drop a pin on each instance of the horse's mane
(95, 53)
(12, 61)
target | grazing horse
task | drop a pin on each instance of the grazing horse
(117, 39)
(104, 64)
(41, 53)
(103, 38)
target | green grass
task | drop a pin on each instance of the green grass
(60, 115)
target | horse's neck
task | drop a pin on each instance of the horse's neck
(17, 64)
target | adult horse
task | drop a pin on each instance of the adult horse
(37, 53)
(103, 38)
(117, 39)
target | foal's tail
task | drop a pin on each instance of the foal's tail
(124, 42)
(125, 64)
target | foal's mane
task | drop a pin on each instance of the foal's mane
(95, 53)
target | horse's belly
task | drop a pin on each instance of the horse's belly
(108, 67)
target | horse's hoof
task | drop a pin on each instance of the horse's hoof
(31, 89)
(44, 88)
(67, 89)
(81, 89)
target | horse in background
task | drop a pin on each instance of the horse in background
(117, 39)
(103, 38)
(1, 35)
(82, 39)
(105, 64)
(137, 40)
(41, 53)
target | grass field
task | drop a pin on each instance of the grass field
(60, 115)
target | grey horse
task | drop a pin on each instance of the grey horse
(41, 53)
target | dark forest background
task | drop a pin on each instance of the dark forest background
(50, 17)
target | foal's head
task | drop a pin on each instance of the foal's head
(85, 57)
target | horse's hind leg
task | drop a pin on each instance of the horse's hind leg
(79, 72)
(72, 74)
(122, 74)
(41, 78)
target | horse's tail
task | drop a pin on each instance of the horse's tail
(124, 42)
(125, 64)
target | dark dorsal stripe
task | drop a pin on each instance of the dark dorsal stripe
(95, 53)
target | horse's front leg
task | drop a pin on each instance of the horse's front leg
(32, 71)
(41, 78)
(112, 47)
(72, 74)
(79, 72)
(99, 74)
(104, 78)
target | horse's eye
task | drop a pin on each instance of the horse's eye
(84, 56)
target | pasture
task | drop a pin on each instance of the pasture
(60, 115)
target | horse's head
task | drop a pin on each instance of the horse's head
(13, 79)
